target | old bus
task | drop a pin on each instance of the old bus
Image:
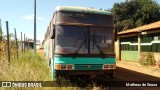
(80, 41)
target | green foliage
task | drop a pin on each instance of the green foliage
(3, 47)
(150, 60)
(135, 13)
(0, 31)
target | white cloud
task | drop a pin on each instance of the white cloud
(31, 17)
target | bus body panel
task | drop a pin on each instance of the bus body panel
(83, 60)
(82, 63)
(82, 10)
(47, 49)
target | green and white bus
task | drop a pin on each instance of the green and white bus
(80, 41)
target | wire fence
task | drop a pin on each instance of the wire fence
(10, 46)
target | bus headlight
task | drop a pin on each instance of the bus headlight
(106, 66)
(58, 66)
(69, 66)
(64, 66)
(109, 66)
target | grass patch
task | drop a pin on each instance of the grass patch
(28, 67)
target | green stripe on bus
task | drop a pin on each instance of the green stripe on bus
(84, 60)
(81, 63)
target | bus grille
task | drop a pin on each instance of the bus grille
(88, 66)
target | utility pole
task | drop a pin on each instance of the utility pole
(35, 26)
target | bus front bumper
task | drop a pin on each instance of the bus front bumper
(79, 72)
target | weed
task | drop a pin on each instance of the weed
(28, 67)
(149, 61)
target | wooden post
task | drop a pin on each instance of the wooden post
(16, 43)
(22, 41)
(8, 51)
(28, 44)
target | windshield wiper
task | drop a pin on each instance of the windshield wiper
(80, 46)
(97, 45)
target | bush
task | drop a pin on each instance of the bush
(149, 61)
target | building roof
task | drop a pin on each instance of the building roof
(82, 9)
(150, 26)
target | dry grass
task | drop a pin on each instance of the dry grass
(40, 52)
(28, 67)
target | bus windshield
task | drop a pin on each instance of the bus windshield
(74, 39)
(85, 18)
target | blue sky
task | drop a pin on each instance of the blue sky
(19, 13)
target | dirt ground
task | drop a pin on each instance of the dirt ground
(153, 71)
(40, 52)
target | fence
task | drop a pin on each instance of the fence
(10, 48)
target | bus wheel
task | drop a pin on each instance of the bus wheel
(110, 75)
(57, 78)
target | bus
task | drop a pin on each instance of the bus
(79, 42)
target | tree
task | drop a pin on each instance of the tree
(134, 13)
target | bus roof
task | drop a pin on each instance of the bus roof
(82, 10)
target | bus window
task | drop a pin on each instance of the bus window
(73, 17)
(74, 39)
(69, 38)
(101, 41)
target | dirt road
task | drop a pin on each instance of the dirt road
(127, 71)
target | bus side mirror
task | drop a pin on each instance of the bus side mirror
(52, 34)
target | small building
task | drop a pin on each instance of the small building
(134, 44)
(30, 44)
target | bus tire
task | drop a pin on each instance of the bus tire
(111, 75)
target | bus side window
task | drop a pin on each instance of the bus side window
(52, 33)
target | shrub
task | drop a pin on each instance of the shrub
(149, 61)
